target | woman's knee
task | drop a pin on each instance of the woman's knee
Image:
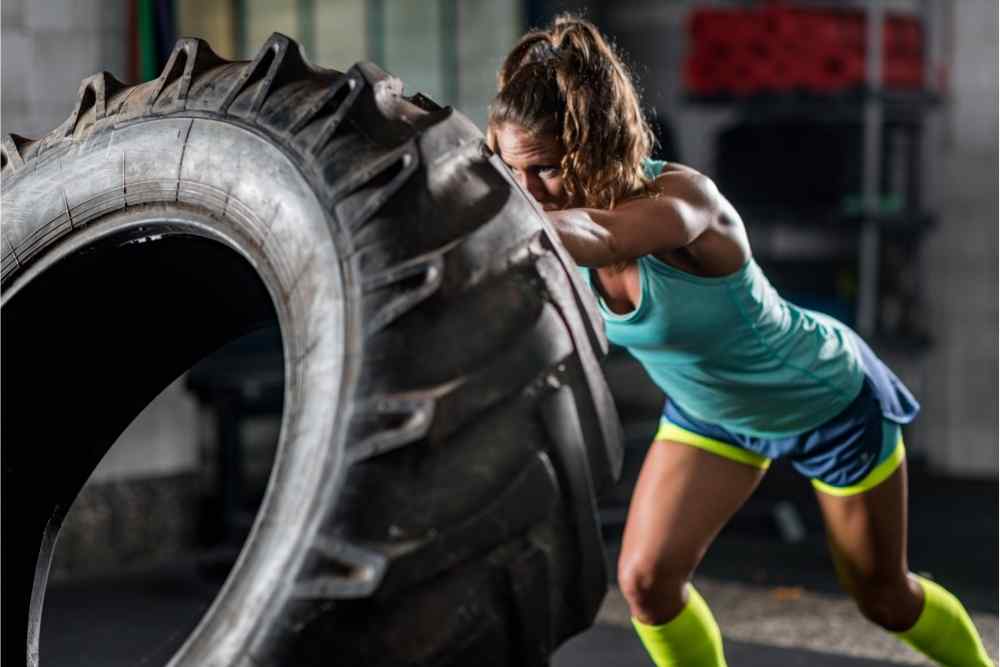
(890, 603)
(654, 590)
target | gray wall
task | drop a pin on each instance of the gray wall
(48, 47)
(961, 257)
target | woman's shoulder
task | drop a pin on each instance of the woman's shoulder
(674, 183)
(683, 182)
(653, 169)
(678, 168)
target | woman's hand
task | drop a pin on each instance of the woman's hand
(685, 206)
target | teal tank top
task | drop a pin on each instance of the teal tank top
(731, 351)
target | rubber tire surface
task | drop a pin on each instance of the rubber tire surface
(446, 423)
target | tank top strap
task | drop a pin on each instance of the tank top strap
(653, 168)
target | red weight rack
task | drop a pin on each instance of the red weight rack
(783, 48)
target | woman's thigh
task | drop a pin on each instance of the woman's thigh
(683, 498)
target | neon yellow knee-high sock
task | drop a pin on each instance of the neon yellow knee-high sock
(944, 632)
(691, 639)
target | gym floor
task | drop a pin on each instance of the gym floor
(768, 579)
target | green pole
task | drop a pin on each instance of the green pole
(239, 28)
(375, 11)
(449, 51)
(307, 26)
(147, 41)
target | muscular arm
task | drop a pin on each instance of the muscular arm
(687, 205)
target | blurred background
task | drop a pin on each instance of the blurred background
(868, 181)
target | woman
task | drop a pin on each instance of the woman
(749, 377)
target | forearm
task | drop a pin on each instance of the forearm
(588, 243)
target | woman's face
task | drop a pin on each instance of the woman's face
(534, 161)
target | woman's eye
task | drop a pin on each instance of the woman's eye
(548, 172)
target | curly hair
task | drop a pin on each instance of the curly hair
(567, 81)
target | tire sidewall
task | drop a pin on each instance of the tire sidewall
(227, 182)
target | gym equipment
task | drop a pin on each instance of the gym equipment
(786, 48)
(446, 423)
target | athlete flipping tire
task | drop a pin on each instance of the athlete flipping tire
(446, 424)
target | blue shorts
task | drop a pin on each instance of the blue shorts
(851, 453)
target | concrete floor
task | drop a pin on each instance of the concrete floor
(776, 602)
(772, 590)
(142, 620)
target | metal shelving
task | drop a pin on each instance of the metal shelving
(863, 233)
(898, 105)
(779, 237)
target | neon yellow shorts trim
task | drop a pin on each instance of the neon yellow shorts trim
(878, 474)
(670, 431)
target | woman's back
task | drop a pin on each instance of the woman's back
(731, 350)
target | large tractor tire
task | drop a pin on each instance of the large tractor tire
(446, 424)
